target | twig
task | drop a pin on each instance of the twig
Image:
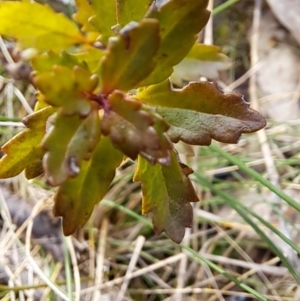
(5, 246)
(262, 136)
(53, 278)
(181, 275)
(272, 270)
(5, 52)
(208, 31)
(37, 270)
(244, 77)
(92, 260)
(100, 258)
(154, 276)
(137, 273)
(12, 123)
(23, 100)
(218, 293)
(75, 268)
(189, 290)
(136, 253)
(9, 91)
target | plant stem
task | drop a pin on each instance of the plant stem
(223, 6)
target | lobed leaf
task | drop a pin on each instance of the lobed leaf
(35, 167)
(105, 18)
(76, 197)
(67, 88)
(200, 112)
(136, 130)
(203, 52)
(70, 141)
(39, 26)
(91, 57)
(83, 14)
(202, 60)
(167, 193)
(129, 57)
(24, 151)
(40, 102)
(45, 62)
(180, 21)
(130, 10)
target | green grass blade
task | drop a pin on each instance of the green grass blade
(255, 175)
(274, 230)
(223, 6)
(242, 285)
(243, 212)
(68, 270)
(131, 213)
(194, 253)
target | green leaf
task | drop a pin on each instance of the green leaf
(45, 62)
(83, 14)
(203, 52)
(167, 193)
(68, 143)
(129, 57)
(77, 196)
(135, 129)
(40, 102)
(68, 89)
(23, 151)
(201, 111)
(180, 21)
(91, 57)
(202, 60)
(130, 10)
(105, 17)
(35, 167)
(36, 25)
